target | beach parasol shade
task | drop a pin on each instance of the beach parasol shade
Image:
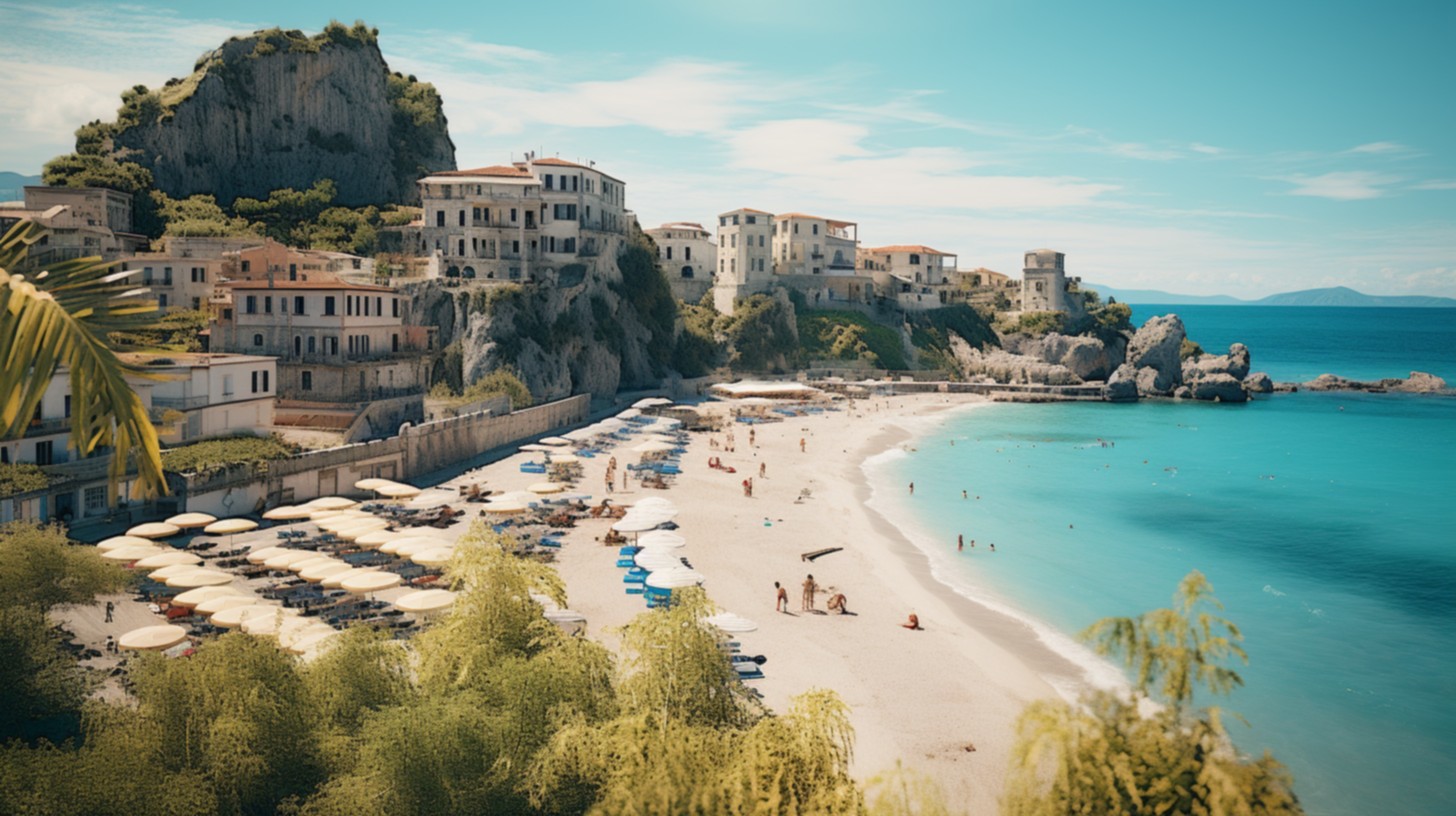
(332, 503)
(152, 638)
(563, 459)
(354, 531)
(154, 529)
(343, 522)
(425, 600)
(580, 434)
(333, 581)
(283, 559)
(260, 555)
(674, 578)
(638, 524)
(416, 542)
(546, 487)
(374, 538)
(409, 548)
(200, 578)
(233, 616)
(729, 622)
(368, 582)
(187, 521)
(431, 498)
(167, 559)
(230, 526)
(263, 624)
(117, 542)
(433, 557)
(288, 512)
(316, 561)
(653, 447)
(653, 561)
(315, 573)
(373, 483)
(212, 606)
(651, 402)
(556, 441)
(536, 447)
(163, 573)
(661, 538)
(398, 491)
(630, 413)
(193, 597)
(134, 553)
(505, 506)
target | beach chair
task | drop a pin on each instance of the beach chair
(635, 575)
(533, 467)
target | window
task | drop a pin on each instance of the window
(94, 500)
(687, 253)
(227, 314)
(227, 385)
(306, 381)
(257, 339)
(196, 304)
(816, 229)
(250, 306)
(669, 253)
(312, 345)
(440, 218)
(914, 259)
(329, 305)
(751, 219)
(462, 218)
(44, 453)
(796, 229)
(298, 304)
(293, 272)
(462, 247)
(334, 346)
(266, 377)
(297, 345)
(513, 215)
(199, 274)
(255, 382)
(760, 241)
(349, 305)
(268, 304)
(67, 408)
(161, 301)
(378, 306)
(247, 266)
(547, 178)
(394, 343)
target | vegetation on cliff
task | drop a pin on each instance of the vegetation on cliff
(21, 477)
(503, 381)
(842, 335)
(233, 451)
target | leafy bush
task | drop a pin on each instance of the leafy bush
(697, 350)
(21, 478)
(1036, 324)
(845, 335)
(216, 454)
(762, 335)
(1189, 350)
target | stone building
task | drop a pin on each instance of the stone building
(81, 222)
(208, 395)
(1044, 281)
(688, 256)
(810, 245)
(745, 256)
(913, 275)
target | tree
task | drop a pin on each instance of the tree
(62, 317)
(1106, 756)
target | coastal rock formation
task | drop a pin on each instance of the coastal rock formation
(1258, 383)
(1006, 367)
(1155, 348)
(1086, 358)
(1218, 376)
(1419, 382)
(1122, 385)
(279, 109)
(1219, 387)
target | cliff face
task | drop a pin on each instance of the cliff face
(277, 109)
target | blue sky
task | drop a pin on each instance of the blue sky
(1245, 148)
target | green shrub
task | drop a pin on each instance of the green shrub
(846, 335)
(1189, 350)
(19, 478)
(217, 454)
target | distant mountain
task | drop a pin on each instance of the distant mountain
(1333, 296)
(12, 184)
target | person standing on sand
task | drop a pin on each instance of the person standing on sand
(960, 542)
(801, 445)
(763, 470)
(752, 436)
(781, 602)
(110, 608)
(912, 488)
(807, 602)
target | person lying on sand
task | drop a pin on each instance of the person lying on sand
(837, 603)
(913, 624)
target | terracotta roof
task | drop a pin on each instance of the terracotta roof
(509, 171)
(552, 162)
(187, 358)
(921, 248)
(292, 284)
(681, 225)
(746, 209)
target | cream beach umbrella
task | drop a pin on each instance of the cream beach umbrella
(230, 527)
(233, 616)
(651, 402)
(193, 597)
(343, 522)
(283, 559)
(433, 557)
(212, 606)
(546, 487)
(674, 578)
(580, 434)
(354, 531)
(117, 542)
(731, 623)
(374, 538)
(637, 524)
(315, 573)
(563, 459)
(152, 638)
(263, 624)
(154, 529)
(200, 578)
(409, 548)
(630, 413)
(430, 499)
(288, 512)
(370, 582)
(653, 447)
(187, 521)
(316, 561)
(337, 579)
(168, 559)
(612, 424)
(161, 574)
(652, 561)
(262, 554)
(415, 543)
(556, 441)
(332, 503)
(661, 538)
(373, 484)
(133, 553)
(425, 601)
(505, 506)
(536, 447)
(398, 491)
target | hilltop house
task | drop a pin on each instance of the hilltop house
(688, 256)
(1044, 281)
(81, 222)
(912, 275)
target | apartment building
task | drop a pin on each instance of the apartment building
(81, 222)
(810, 245)
(182, 275)
(523, 221)
(913, 275)
(206, 395)
(1044, 281)
(688, 255)
(745, 256)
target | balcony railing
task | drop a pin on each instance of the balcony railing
(179, 403)
(92, 467)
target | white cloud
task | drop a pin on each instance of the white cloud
(1342, 186)
(1435, 184)
(1209, 150)
(1379, 148)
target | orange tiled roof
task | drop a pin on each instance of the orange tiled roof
(262, 283)
(505, 170)
(746, 209)
(553, 162)
(921, 248)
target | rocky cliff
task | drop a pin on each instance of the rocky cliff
(279, 109)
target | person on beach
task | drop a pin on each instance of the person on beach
(913, 624)
(993, 548)
(763, 470)
(807, 601)
(747, 491)
(110, 608)
(912, 488)
(960, 542)
(752, 436)
(837, 603)
(802, 443)
(781, 602)
(110, 645)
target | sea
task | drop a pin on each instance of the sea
(1325, 522)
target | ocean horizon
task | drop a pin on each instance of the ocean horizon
(1317, 517)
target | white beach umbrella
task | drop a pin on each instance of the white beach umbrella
(168, 559)
(374, 538)
(430, 499)
(370, 582)
(154, 529)
(262, 554)
(187, 521)
(662, 539)
(536, 447)
(332, 503)
(347, 518)
(407, 549)
(117, 542)
(283, 559)
(651, 402)
(132, 553)
(288, 512)
(546, 487)
(612, 424)
(658, 560)
(338, 578)
(425, 600)
(212, 606)
(373, 483)
(556, 441)
(231, 526)
(152, 638)
(315, 573)
(161, 574)
(200, 578)
(505, 506)
(264, 624)
(316, 561)
(638, 524)
(233, 616)
(433, 557)
(630, 413)
(193, 597)
(674, 578)
(415, 543)
(354, 531)
(653, 447)
(729, 622)
(398, 491)
(580, 434)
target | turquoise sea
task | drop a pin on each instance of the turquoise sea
(1325, 522)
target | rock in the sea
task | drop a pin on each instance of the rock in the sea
(1220, 387)
(1122, 385)
(1156, 348)
(1085, 357)
(1235, 364)
(1419, 382)
(1258, 383)
(1182, 392)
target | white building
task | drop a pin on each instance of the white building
(745, 256)
(915, 276)
(810, 245)
(1044, 281)
(207, 395)
(688, 256)
(523, 221)
(81, 222)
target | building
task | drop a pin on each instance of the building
(336, 342)
(183, 273)
(913, 275)
(81, 222)
(688, 256)
(523, 221)
(745, 256)
(984, 288)
(206, 395)
(267, 259)
(810, 245)
(1044, 281)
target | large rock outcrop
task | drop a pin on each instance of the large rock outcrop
(1218, 376)
(279, 109)
(1007, 367)
(1155, 352)
(1419, 382)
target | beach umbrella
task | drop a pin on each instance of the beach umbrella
(117, 542)
(580, 434)
(283, 559)
(568, 621)
(133, 553)
(354, 531)
(152, 638)
(315, 573)
(316, 561)
(233, 616)
(200, 578)
(288, 512)
(674, 578)
(212, 606)
(343, 522)
(555, 441)
(612, 424)
(639, 524)
(409, 548)
(536, 447)
(398, 491)
(729, 622)
(505, 506)
(168, 559)
(563, 459)
(154, 529)
(373, 483)
(161, 574)
(332, 503)
(661, 538)
(370, 582)
(374, 538)
(187, 521)
(656, 560)
(630, 413)
(264, 624)
(651, 402)
(433, 557)
(653, 447)
(415, 543)
(262, 554)
(231, 526)
(546, 487)
(431, 498)
(425, 600)
(335, 580)
(193, 597)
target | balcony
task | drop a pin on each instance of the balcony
(49, 425)
(179, 403)
(81, 470)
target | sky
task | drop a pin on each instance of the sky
(1201, 148)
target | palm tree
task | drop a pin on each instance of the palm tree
(62, 316)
